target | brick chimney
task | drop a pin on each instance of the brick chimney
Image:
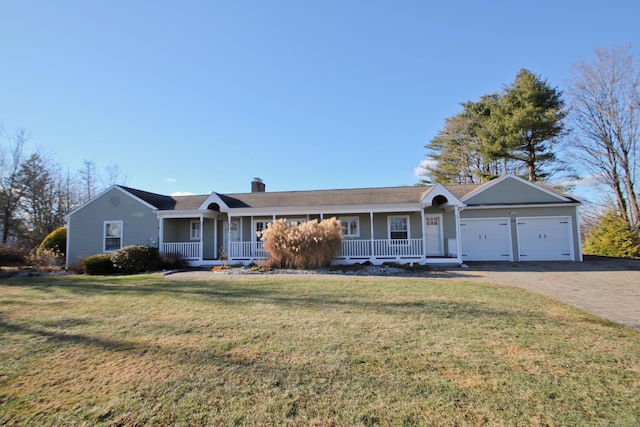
(257, 186)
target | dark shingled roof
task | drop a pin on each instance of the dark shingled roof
(346, 197)
(356, 196)
(158, 200)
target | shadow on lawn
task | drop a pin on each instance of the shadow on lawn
(430, 303)
(63, 336)
(590, 263)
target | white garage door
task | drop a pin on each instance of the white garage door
(545, 239)
(485, 239)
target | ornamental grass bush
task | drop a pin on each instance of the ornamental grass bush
(45, 258)
(306, 245)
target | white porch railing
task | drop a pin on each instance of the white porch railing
(245, 250)
(384, 248)
(187, 250)
(381, 248)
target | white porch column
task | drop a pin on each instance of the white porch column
(215, 237)
(372, 245)
(201, 257)
(424, 235)
(161, 236)
(228, 237)
(458, 239)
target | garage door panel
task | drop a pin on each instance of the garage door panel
(485, 239)
(544, 239)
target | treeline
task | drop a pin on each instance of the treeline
(36, 192)
(524, 128)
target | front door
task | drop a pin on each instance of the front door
(230, 233)
(433, 234)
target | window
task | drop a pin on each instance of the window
(195, 230)
(350, 226)
(259, 226)
(398, 227)
(112, 235)
(432, 220)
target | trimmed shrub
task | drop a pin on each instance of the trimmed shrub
(307, 245)
(98, 265)
(135, 259)
(55, 241)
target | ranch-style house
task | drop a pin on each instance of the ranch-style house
(507, 219)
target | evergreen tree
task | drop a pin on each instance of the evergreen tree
(516, 131)
(611, 236)
(530, 124)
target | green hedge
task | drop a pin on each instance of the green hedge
(55, 241)
(100, 264)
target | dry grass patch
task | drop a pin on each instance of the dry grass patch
(306, 350)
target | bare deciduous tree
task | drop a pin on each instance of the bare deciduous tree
(604, 96)
(88, 179)
(113, 174)
(43, 204)
(11, 192)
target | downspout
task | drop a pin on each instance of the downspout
(576, 229)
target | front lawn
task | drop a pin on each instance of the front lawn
(306, 350)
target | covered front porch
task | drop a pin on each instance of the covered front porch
(426, 236)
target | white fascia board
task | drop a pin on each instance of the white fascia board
(517, 178)
(440, 190)
(324, 210)
(192, 213)
(213, 198)
(532, 205)
(117, 187)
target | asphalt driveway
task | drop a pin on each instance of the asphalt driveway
(606, 287)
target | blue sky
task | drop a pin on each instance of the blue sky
(200, 96)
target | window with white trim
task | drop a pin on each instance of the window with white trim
(112, 235)
(350, 226)
(259, 225)
(194, 230)
(398, 227)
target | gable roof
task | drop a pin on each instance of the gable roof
(512, 189)
(342, 197)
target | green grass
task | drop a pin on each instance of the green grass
(307, 350)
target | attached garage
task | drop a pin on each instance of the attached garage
(545, 239)
(486, 239)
